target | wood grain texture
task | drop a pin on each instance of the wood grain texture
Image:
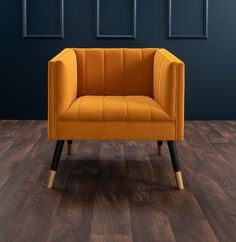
(118, 191)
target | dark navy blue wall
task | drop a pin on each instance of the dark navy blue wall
(210, 64)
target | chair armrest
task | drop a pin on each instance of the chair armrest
(62, 87)
(168, 87)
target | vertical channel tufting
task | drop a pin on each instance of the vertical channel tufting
(161, 74)
(148, 61)
(85, 78)
(143, 73)
(115, 71)
(103, 84)
(141, 91)
(123, 63)
(160, 68)
(81, 82)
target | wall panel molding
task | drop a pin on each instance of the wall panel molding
(25, 33)
(115, 36)
(203, 35)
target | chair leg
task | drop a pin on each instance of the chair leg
(69, 147)
(176, 165)
(55, 162)
(159, 144)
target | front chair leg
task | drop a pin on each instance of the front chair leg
(55, 162)
(159, 144)
(69, 147)
(176, 165)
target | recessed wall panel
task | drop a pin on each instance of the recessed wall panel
(115, 18)
(188, 19)
(43, 18)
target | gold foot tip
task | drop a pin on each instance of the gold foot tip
(179, 180)
(180, 187)
(51, 178)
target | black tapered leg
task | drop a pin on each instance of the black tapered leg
(55, 162)
(175, 163)
(159, 144)
(69, 147)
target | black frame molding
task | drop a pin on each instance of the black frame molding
(24, 23)
(110, 36)
(188, 36)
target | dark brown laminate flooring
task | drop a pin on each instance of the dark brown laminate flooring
(118, 191)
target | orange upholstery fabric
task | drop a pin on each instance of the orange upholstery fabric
(117, 130)
(116, 94)
(115, 71)
(115, 108)
(169, 87)
(62, 86)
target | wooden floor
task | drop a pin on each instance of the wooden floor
(118, 191)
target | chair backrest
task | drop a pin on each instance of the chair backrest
(115, 71)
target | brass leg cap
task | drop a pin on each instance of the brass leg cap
(159, 149)
(69, 149)
(51, 178)
(179, 180)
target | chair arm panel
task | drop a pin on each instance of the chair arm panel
(62, 87)
(168, 87)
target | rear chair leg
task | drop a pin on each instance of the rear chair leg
(55, 162)
(175, 163)
(159, 143)
(69, 147)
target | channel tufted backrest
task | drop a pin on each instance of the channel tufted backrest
(115, 71)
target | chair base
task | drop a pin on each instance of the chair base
(179, 180)
(172, 149)
(51, 178)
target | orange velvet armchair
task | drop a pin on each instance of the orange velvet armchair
(116, 94)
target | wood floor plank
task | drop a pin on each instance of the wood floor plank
(34, 219)
(12, 197)
(212, 163)
(20, 149)
(226, 128)
(141, 178)
(73, 218)
(144, 198)
(211, 134)
(214, 200)
(111, 238)
(72, 221)
(118, 191)
(111, 209)
(183, 211)
(150, 222)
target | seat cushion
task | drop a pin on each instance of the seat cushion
(115, 108)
